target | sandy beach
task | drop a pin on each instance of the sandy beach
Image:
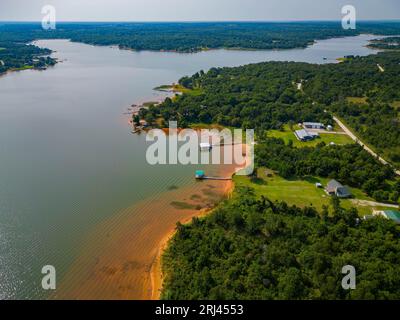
(156, 274)
(120, 259)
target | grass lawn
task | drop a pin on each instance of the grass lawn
(23, 68)
(301, 193)
(179, 88)
(357, 100)
(287, 135)
(396, 104)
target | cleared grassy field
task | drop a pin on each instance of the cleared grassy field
(287, 135)
(179, 88)
(357, 100)
(23, 68)
(396, 104)
(302, 193)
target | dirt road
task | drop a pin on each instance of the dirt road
(367, 203)
(357, 140)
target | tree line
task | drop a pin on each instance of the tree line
(389, 43)
(349, 164)
(18, 56)
(252, 248)
(196, 36)
(265, 96)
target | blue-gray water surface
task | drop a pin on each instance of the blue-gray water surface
(68, 158)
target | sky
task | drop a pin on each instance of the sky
(197, 10)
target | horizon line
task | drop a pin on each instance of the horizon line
(200, 21)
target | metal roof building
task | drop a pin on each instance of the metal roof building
(336, 188)
(313, 125)
(304, 135)
(392, 215)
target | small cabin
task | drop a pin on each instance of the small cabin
(336, 188)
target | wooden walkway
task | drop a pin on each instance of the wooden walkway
(214, 178)
(226, 144)
(366, 148)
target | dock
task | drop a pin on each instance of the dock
(227, 144)
(213, 178)
(201, 176)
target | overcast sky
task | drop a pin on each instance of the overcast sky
(198, 10)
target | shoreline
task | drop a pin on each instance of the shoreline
(13, 71)
(156, 274)
(121, 257)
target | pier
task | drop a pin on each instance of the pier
(200, 175)
(213, 178)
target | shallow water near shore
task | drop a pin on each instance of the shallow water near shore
(75, 189)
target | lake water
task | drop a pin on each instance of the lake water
(68, 159)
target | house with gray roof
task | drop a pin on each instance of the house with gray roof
(304, 135)
(313, 125)
(335, 188)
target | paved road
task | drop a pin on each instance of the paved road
(352, 136)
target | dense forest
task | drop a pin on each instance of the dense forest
(192, 37)
(265, 96)
(251, 248)
(20, 56)
(349, 164)
(180, 37)
(261, 96)
(374, 113)
(378, 124)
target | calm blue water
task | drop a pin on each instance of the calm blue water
(68, 159)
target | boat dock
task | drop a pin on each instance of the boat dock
(213, 178)
(200, 175)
